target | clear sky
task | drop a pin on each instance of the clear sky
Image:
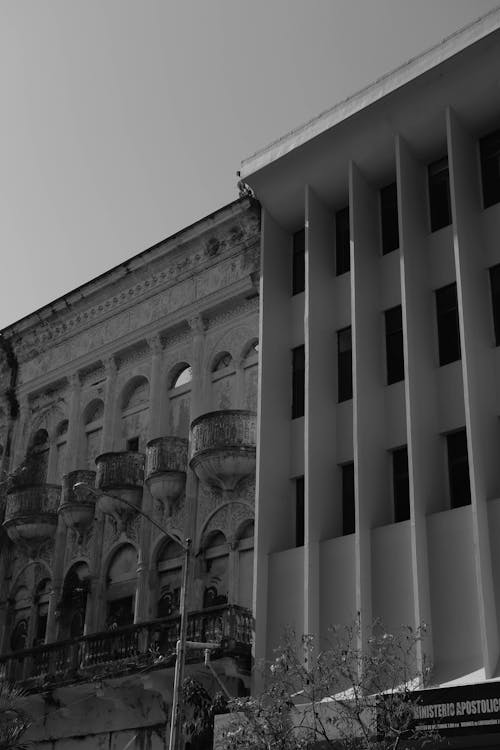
(125, 120)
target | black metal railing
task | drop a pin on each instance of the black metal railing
(129, 648)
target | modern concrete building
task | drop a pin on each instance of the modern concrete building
(147, 374)
(378, 481)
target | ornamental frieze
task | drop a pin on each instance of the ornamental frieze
(35, 363)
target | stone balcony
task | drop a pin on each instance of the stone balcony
(165, 473)
(31, 513)
(135, 648)
(223, 447)
(121, 475)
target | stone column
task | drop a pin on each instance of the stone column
(18, 448)
(108, 442)
(143, 560)
(57, 580)
(198, 395)
(156, 391)
(233, 571)
(239, 385)
(74, 428)
(108, 422)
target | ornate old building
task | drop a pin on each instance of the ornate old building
(146, 375)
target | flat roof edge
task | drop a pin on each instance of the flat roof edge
(386, 84)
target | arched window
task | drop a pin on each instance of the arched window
(41, 612)
(169, 567)
(135, 413)
(37, 458)
(73, 604)
(92, 420)
(20, 619)
(182, 376)
(179, 397)
(216, 555)
(221, 361)
(121, 587)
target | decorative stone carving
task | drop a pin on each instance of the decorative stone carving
(132, 528)
(77, 510)
(229, 518)
(166, 464)
(134, 354)
(41, 351)
(223, 447)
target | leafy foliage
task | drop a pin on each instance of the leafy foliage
(345, 696)
(199, 711)
(14, 720)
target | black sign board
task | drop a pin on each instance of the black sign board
(458, 710)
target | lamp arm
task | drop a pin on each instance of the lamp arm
(82, 485)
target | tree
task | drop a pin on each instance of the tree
(342, 696)
(199, 711)
(14, 720)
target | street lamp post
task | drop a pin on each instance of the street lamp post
(83, 489)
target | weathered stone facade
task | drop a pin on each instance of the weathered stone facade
(134, 356)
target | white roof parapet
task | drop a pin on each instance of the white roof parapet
(405, 73)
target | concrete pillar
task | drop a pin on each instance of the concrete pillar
(320, 400)
(418, 307)
(483, 432)
(372, 496)
(274, 504)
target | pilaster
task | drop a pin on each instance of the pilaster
(108, 426)
(156, 398)
(198, 327)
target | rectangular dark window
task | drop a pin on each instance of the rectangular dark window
(495, 300)
(439, 194)
(348, 504)
(133, 444)
(342, 241)
(400, 484)
(344, 363)
(298, 382)
(490, 168)
(448, 325)
(299, 262)
(389, 218)
(458, 469)
(299, 512)
(394, 345)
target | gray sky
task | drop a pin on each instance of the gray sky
(125, 120)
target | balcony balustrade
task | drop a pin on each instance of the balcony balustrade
(31, 513)
(120, 474)
(77, 511)
(223, 447)
(166, 464)
(130, 649)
